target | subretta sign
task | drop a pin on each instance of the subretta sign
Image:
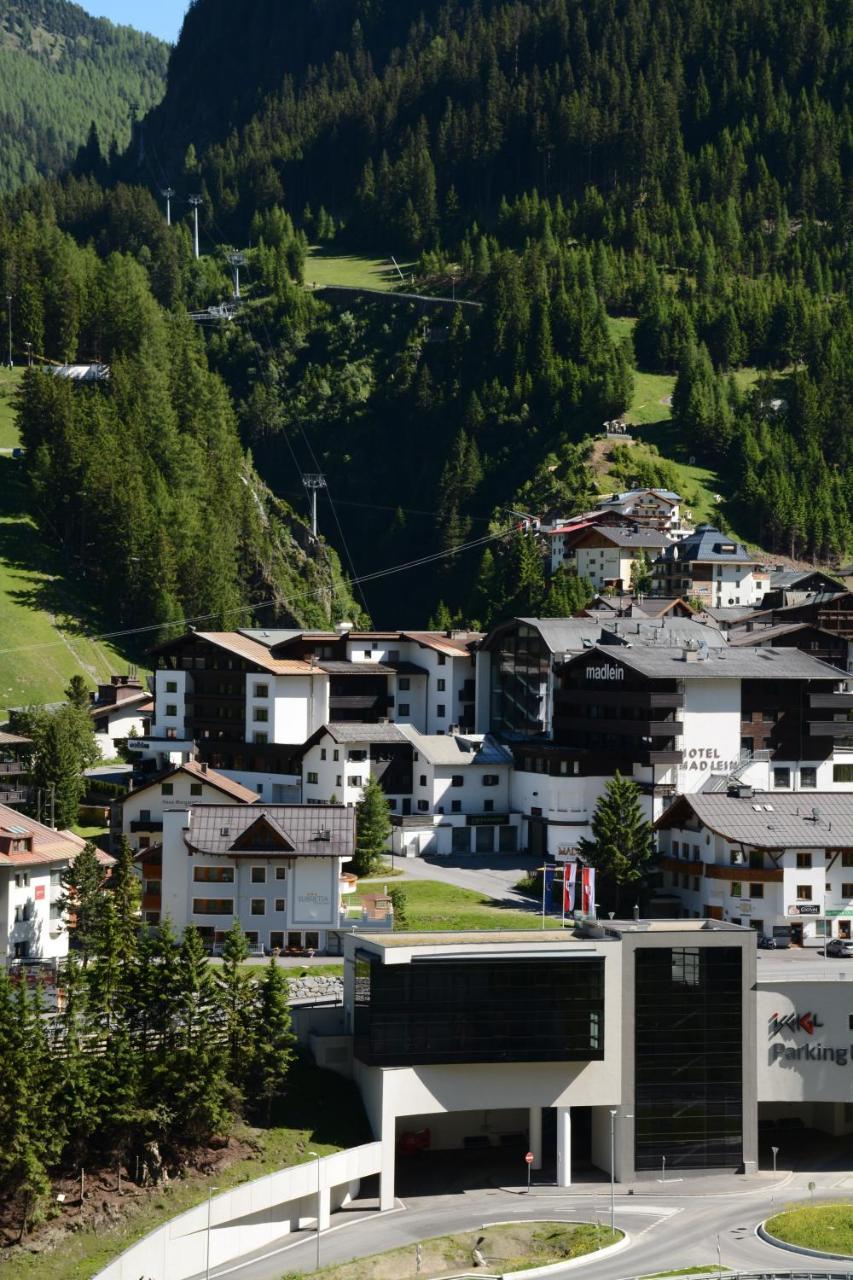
(607, 671)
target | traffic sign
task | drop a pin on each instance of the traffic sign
(529, 1158)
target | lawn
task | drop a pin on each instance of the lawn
(322, 1114)
(42, 620)
(509, 1246)
(9, 379)
(828, 1227)
(652, 392)
(323, 267)
(433, 907)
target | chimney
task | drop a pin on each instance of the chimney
(204, 767)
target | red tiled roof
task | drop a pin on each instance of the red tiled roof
(48, 845)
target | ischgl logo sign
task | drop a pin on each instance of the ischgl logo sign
(807, 1022)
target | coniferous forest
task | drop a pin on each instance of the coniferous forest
(60, 70)
(558, 163)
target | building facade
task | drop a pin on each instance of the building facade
(782, 863)
(15, 757)
(709, 567)
(139, 816)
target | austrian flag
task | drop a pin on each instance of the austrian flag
(588, 891)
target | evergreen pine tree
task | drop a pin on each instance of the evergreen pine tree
(234, 995)
(82, 899)
(77, 693)
(373, 828)
(622, 844)
(273, 1040)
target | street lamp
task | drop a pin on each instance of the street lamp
(318, 1159)
(210, 1192)
(775, 1151)
(9, 316)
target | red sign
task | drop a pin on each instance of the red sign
(39, 893)
(529, 1158)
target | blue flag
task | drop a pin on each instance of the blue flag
(549, 885)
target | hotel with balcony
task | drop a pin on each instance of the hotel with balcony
(15, 753)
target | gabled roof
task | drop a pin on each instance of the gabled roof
(49, 846)
(616, 499)
(242, 646)
(624, 536)
(458, 749)
(14, 740)
(201, 773)
(309, 831)
(707, 544)
(352, 731)
(721, 664)
(454, 644)
(790, 579)
(134, 701)
(770, 820)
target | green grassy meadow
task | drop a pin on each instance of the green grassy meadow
(828, 1227)
(433, 907)
(42, 618)
(323, 267)
(9, 379)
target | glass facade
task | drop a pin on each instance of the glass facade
(467, 1010)
(688, 1058)
(521, 663)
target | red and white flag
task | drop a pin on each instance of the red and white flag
(569, 876)
(588, 891)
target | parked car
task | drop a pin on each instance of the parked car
(766, 942)
(839, 948)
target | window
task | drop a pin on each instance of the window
(312, 778)
(279, 904)
(756, 859)
(262, 691)
(171, 686)
(675, 848)
(259, 907)
(804, 893)
(441, 711)
(455, 806)
(261, 739)
(322, 753)
(336, 755)
(403, 708)
(281, 873)
(213, 875)
(359, 756)
(808, 778)
(781, 777)
(262, 715)
(423, 780)
(171, 709)
(441, 685)
(756, 891)
(842, 773)
(339, 779)
(847, 857)
(423, 806)
(404, 684)
(850, 1021)
(737, 889)
(213, 906)
(442, 660)
(259, 875)
(488, 806)
(490, 779)
(846, 888)
(804, 861)
(457, 780)
(355, 780)
(695, 884)
(195, 788)
(166, 789)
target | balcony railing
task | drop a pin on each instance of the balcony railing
(10, 768)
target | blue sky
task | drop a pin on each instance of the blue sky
(162, 17)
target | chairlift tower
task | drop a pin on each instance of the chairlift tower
(195, 201)
(237, 260)
(314, 482)
(167, 194)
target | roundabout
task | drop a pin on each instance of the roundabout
(816, 1230)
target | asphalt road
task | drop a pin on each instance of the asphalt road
(670, 1225)
(492, 874)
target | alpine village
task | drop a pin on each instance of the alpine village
(426, 639)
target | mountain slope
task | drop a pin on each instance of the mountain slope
(60, 70)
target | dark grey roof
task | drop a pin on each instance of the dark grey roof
(705, 544)
(615, 498)
(458, 749)
(791, 578)
(285, 830)
(269, 639)
(760, 635)
(772, 819)
(353, 731)
(731, 612)
(721, 664)
(572, 635)
(625, 536)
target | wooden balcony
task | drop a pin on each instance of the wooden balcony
(758, 875)
(670, 863)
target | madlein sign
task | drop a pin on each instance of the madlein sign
(607, 671)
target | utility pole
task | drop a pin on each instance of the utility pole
(195, 201)
(313, 483)
(237, 261)
(167, 194)
(9, 314)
